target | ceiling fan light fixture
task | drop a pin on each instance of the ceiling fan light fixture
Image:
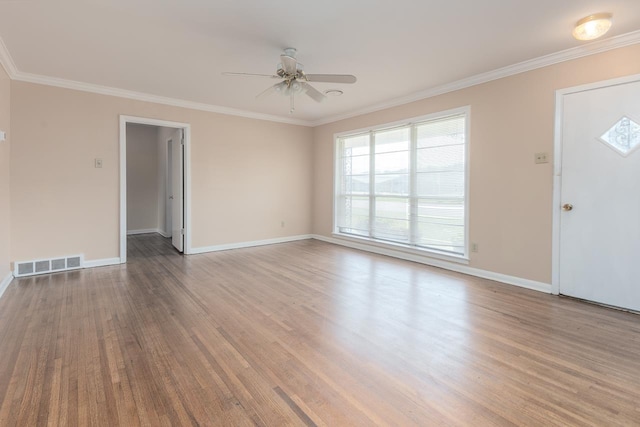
(593, 26)
(295, 81)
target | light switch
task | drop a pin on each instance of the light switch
(3, 135)
(98, 163)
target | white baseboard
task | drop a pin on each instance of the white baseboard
(460, 268)
(101, 262)
(163, 233)
(145, 231)
(5, 283)
(241, 245)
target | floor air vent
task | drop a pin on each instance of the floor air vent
(42, 266)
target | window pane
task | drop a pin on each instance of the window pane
(445, 158)
(392, 162)
(441, 212)
(353, 215)
(392, 140)
(397, 185)
(440, 224)
(355, 184)
(440, 184)
(356, 145)
(441, 237)
(418, 186)
(392, 219)
(358, 165)
(445, 131)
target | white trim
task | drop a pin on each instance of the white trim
(7, 61)
(241, 245)
(145, 231)
(186, 176)
(459, 268)
(186, 127)
(156, 99)
(101, 262)
(510, 70)
(5, 283)
(598, 85)
(557, 167)
(591, 48)
(122, 236)
(405, 249)
(557, 185)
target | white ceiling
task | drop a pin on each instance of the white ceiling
(178, 49)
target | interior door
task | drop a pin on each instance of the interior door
(600, 193)
(177, 189)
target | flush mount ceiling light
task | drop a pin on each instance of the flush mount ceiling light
(333, 92)
(592, 26)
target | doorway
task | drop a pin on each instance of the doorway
(174, 153)
(596, 198)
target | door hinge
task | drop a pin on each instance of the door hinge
(182, 231)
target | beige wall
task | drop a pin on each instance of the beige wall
(510, 197)
(143, 178)
(5, 231)
(247, 175)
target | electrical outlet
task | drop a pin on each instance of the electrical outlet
(474, 247)
(541, 158)
(98, 163)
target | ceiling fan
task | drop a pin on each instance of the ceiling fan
(294, 80)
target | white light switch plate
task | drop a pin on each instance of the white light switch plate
(3, 135)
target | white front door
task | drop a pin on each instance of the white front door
(177, 190)
(600, 190)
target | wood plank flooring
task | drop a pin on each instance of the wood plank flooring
(306, 334)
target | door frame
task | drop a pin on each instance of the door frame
(186, 176)
(557, 166)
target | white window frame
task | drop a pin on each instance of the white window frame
(410, 249)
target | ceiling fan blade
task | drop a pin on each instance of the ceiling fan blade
(331, 78)
(314, 93)
(252, 75)
(289, 64)
(278, 87)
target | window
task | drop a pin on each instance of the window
(405, 184)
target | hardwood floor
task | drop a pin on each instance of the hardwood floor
(306, 333)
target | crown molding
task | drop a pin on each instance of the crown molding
(14, 74)
(510, 70)
(6, 61)
(145, 97)
(566, 55)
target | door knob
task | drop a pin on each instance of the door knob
(567, 207)
(170, 197)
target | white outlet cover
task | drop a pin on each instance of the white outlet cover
(541, 158)
(3, 135)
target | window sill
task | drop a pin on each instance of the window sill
(405, 249)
